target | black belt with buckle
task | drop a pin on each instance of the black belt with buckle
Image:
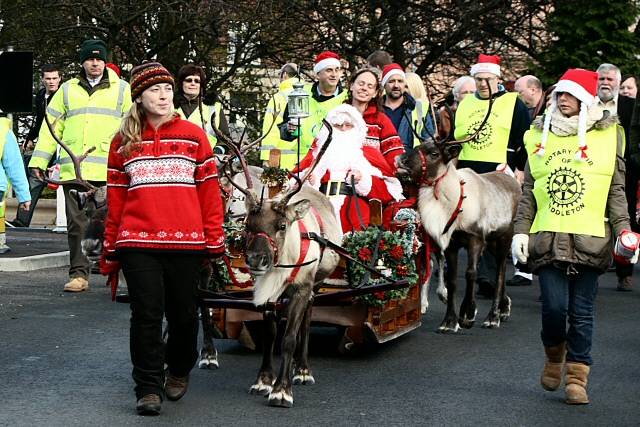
(335, 188)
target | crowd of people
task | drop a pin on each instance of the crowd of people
(154, 139)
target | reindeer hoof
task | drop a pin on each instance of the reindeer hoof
(260, 388)
(467, 323)
(493, 323)
(303, 377)
(208, 361)
(449, 329)
(505, 309)
(281, 399)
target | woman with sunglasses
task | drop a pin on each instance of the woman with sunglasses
(164, 219)
(190, 104)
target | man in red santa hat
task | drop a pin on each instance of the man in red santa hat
(349, 173)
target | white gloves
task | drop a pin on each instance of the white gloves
(520, 247)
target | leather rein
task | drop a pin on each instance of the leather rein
(305, 244)
(435, 183)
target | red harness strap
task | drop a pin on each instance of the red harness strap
(457, 210)
(305, 243)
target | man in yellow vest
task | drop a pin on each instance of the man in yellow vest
(11, 169)
(189, 102)
(87, 111)
(324, 95)
(499, 144)
(288, 157)
(572, 208)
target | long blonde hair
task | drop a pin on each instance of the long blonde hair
(131, 128)
(415, 86)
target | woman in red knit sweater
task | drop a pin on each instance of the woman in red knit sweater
(164, 218)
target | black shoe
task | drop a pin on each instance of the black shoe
(176, 387)
(486, 289)
(519, 280)
(149, 404)
(18, 224)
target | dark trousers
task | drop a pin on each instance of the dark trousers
(567, 309)
(161, 284)
(36, 186)
(77, 222)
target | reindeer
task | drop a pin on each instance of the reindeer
(286, 263)
(463, 209)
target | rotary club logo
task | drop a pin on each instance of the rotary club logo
(483, 139)
(565, 187)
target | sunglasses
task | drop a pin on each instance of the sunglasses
(192, 80)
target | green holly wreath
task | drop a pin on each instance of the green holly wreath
(395, 260)
(274, 177)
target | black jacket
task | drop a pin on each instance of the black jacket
(41, 103)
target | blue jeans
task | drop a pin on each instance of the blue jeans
(568, 295)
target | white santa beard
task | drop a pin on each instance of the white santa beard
(344, 154)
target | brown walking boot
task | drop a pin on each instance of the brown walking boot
(176, 387)
(77, 284)
(551, 377)
(576, 383)
(625, 284)
(149, 404)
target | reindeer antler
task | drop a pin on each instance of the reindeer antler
(292, 192)
(75, 159)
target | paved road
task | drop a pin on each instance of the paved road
(65, 362)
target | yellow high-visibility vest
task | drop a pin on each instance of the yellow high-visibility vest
(207, 111)
(571, 195)
(272, 140)
(491, 144)
(5, 127)
(83, 121)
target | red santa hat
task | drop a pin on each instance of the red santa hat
(391, 70)
(486, 64)
(583, 84)
(326, 59)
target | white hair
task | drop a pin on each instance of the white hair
(603, 68)
(457, 86)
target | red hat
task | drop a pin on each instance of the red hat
(146, 75)
(486, 64)
(326, 59)
(392, 69)
(583, 84)
(114, 67)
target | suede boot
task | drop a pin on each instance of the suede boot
(576, 383)
(551, 377)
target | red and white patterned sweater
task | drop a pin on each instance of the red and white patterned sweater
(165, 195)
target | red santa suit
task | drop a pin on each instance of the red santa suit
(348, 152)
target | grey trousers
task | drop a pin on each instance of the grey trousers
(77, 222)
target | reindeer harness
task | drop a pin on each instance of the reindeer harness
(436, 193)
(305, 243)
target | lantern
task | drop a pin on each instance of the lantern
(298, 102)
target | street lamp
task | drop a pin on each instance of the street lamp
(298, 107)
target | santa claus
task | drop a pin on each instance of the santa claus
(350, 173)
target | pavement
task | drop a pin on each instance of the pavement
(65, 362)
(33, 249)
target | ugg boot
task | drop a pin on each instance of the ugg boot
(551, 377)
(576, 383)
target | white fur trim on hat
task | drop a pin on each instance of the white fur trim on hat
(325, 63)
(485, 67)
(393, 72)
(576, 90)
